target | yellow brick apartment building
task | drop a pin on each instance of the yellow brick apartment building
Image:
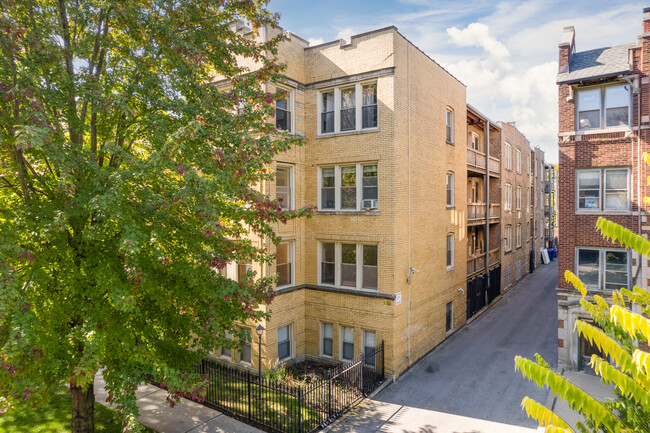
(386, 162)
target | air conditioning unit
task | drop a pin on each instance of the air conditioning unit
(369, 204)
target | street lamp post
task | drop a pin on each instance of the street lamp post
(260, 330)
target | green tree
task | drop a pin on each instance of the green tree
(626, 367)
(125, 186)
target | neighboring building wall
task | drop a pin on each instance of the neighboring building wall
(538, 192)
(604, 147)
(516, 178)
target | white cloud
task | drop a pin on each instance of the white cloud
(346, 33)
(315, 41)
(478, 35)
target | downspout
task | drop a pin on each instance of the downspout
(408, 153)
(487, 201)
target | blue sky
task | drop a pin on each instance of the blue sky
(504, 51)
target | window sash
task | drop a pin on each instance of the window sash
(344, 188)
(369, 106)
(605, 189)
(284, 262)
(369, 347)
(284, 186)
(603, 107)
(449, 126)
(347, 343)
(284, 342)
(450, 250)
(603, 268)
(328, 339)
(449, 316)
(283, 121)
(349, 265)
(450, 189)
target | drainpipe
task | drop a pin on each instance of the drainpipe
(410, 274)
(487, 201)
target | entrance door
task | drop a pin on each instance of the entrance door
(585, 351)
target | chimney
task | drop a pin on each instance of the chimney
(646, 20)
(567, 48)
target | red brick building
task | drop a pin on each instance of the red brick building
(604, 126)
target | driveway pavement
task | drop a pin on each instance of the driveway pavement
(468, 383)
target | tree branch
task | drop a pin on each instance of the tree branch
(73, 120)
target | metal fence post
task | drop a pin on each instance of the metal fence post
(329, 396)
(382, 360)
(299, 410)
(248, 377)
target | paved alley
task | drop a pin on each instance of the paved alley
(468, 383)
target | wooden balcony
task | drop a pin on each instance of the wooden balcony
(495, 166)
(476, 262)
(476, 159)
(494, 256)
(495, 211)
(476, 213)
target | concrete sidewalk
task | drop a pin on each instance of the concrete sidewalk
(186, 417)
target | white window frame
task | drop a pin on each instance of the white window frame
(322, 340)
(342, 329)
(292, 264)
(474, 138)
(290, 336)
(449, 249)
(449, 125)
(338, 262)
(450, 189)
(518, 198)
(508, 238)
(602, 209)
(508, 201)
(338, 185)
(518, 160)
(602, 109)
(601, 266)
(358, 105)
(365, 352)
(291, 108)
(248, 343)
(292, 185)
(508, 156)
(518, 235)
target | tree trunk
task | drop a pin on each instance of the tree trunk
(83, 409)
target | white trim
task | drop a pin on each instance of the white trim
(601, 266)
(292, 263)
(451, 266)
(602, 109)
(358, 114)
(342, 337)
(292, 183)
(338, 262)
(602, 171)
(338, 185)
(322, 338)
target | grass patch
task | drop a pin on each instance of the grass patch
(56, 417)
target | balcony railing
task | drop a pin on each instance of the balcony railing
(495, 210)
(495, 165)
(475, 263)
(475, 158)
(494, 256)
(475, 211)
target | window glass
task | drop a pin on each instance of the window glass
(328, 263)
(450, 250)
(246, 347)
(348, 112)
(348, 343)
(370, 182)
(450, 189)
(449, 126)
(616, 193)
(283, 114)
(369, 347)
(328, 339)
(283, 186)
(617, 101)
(449, 316)
(370, 267)
(589, 109)
(588, 189)
(588, 266)
(369, 108)
(349, 187)
(242, 270)
(327, 189)
(327, 112)
(283, 263)
(616, 270)
(284, 342)
(226, 351)
(349, 265)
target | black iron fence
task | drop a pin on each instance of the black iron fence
(292, 407)
(479, 294)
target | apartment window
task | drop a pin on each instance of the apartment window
(603, 107)
(508, 238)
(530, 203)
(450, 189)
(449, 316)
(518, 235)
(243, 269)
(450, 251)
(508, 204)
(283, 263)
(369, 107)
(518, 198)
(369, 347)
(283, 104)
(351, 108)
(284, 342)
(349, 187)
(328, 339)
(347, 343)
(226, 352)
(284, 185)
(603, 268)
(246, 347)
(474, 142)
(518, 160)
(508, 156)
(349, 265)
(449, 125)
(528, 164)
(590, 191)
